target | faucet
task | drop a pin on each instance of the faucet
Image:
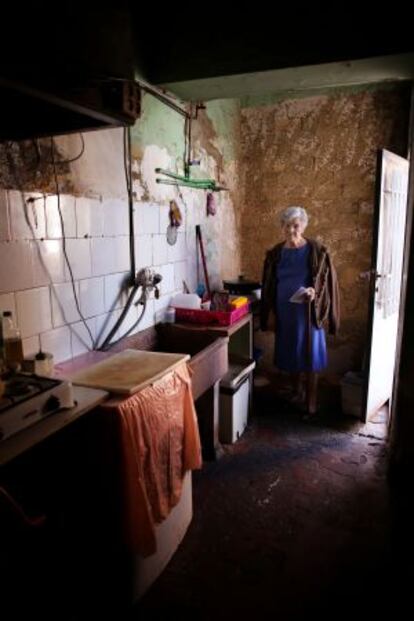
(148, 280)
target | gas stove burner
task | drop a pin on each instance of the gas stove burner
(28, 398)
(17, 388)
(21, 386)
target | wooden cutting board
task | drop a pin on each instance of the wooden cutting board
(129, 371)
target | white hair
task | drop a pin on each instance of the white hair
(290, 213)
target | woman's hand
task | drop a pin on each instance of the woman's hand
(310, 293)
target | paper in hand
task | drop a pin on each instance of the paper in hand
(299, 297)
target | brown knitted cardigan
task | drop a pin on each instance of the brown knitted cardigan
(325, 307)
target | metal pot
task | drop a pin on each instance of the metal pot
(241, 285)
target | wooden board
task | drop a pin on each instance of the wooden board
(129, 371)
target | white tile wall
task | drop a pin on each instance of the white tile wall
(7, 303)
(143, 251)
(180, 274)
(146, 218)
(167, 285)
(80, 338)
(16, 269)
(89, 217)
(41, 263)
(159, 307)
(92, 297)
(31, 345)
(35, 212)
(160, 249)
(178, 252)
(103, 256)
(53, 223)
(48, 262)
(114, 297)
(34, 311)
(104, 324)
(64, 309)
(116, 219)
(148, 317)
(79, 254)
(58, 343)
(132, 316)
(4, 216)
(164, 219)
(97, 243)
(121, 249)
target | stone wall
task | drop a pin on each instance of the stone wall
(320, 152)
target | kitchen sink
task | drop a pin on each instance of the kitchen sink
(209, 359)
(208, 362)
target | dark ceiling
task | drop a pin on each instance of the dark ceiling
(71, 50)
(232, 56)
(165, 44)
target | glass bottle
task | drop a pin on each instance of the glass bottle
(13, 345)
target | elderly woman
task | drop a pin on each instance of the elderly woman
(300, 344)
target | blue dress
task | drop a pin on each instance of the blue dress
(293, 271)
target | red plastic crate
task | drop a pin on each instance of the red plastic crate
(208, 317)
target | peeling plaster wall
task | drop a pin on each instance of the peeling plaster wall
(317, 151)
(34, 281)
(158, 141)
(320, 152)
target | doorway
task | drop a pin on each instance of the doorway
(386, 280)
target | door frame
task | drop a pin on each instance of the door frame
(397, 426)
(372, 283)
(373, 271)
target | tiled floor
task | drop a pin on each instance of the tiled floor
(297, 520)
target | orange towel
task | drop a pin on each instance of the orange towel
(160, 442)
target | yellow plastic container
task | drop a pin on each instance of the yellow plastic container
(239, 301)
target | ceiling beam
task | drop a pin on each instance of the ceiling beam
(293, 80)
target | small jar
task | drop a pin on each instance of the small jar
(44, 364)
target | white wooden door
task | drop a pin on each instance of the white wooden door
(388, 252)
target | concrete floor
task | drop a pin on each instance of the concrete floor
(296, 519)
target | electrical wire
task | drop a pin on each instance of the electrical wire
(138, 321)
(65, 254)
(107, 342)
(184, 202)
(53, 162)
(128, 180)
(12, 166)
(37, 151)
(77, 157)
(188, 162)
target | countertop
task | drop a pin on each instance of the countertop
(220, 330)
(86, 398)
